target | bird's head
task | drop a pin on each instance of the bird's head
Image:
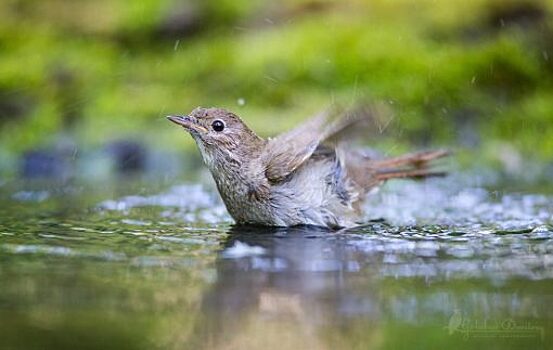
(221, 136)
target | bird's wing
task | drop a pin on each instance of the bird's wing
(286, 152)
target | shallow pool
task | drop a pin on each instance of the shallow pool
(448, 263)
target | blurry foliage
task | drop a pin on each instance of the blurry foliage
(106, 69)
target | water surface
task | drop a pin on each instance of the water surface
(445, 263)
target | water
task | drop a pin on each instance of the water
(446, 263)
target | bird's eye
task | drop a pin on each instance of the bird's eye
(218, 125)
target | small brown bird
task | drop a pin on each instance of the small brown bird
(306, 176)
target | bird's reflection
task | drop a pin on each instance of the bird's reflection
(290, 279)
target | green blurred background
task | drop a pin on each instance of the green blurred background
(473, 75)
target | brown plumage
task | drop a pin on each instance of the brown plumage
(304, 176)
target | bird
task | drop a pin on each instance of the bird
(309, 175)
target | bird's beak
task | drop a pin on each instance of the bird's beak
(187, 122)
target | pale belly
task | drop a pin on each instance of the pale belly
(311, 197)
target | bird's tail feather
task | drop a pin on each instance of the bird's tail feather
(412, 165)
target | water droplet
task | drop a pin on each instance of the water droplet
(241, 101)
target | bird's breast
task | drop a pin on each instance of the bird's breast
(247, 197)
